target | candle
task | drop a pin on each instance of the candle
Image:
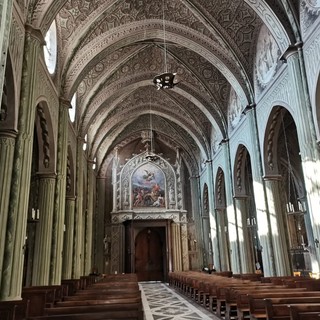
(33, 214)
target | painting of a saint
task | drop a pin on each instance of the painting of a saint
(148, 187)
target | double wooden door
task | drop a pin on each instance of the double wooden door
(150, 254)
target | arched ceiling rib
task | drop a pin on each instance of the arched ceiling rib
(110, 50)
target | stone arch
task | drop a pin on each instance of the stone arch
(45, 137)
(8, 112)
(316, 109)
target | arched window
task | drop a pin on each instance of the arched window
(72, 110)
(85, 143)
(50, 49)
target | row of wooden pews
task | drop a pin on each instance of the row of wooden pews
(112, 297)
(251, 296)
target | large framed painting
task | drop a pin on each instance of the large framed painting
(148, 187)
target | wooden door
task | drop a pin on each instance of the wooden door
(149, 255)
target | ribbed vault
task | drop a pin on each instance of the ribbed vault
(110, 51)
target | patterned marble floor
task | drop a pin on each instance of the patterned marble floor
(161, 302)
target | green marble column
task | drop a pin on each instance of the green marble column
(78, 268)
(67, 264)
(7, 142)
(277, 221)
(60, 194)
(42, 250)
(5, 18)
(11, 283)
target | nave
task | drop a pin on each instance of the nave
(162, 302)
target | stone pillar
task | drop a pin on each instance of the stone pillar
(89, 218)
(100, 231)
(68, 242)
(309, 150)
(117, 248)
(42, 251)
(279, 232)
(79, 222)
(5, 18)
(184, 246)
(7, 142)
(11, 283)
(196, 198)
(246, 250)
(213, 239)
(176, 247)
(60, 194)
(223, 241)
(231, 212)
(260, 198)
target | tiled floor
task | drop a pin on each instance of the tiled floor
(161, 302)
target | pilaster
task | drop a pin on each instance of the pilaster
(277, 222)
(7, 142)
(67, 265)
(176, 247)
(60, 195)
(42, 251)
(11, 283)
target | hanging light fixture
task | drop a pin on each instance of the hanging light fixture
(151, 156)
(166, 79)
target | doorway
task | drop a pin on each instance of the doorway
(149, 254)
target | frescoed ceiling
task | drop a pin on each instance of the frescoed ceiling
(109, 51)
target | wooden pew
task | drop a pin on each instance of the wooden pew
(257, 300)
(304, 311)
(257, 308)
(14, 310)
(278, 307)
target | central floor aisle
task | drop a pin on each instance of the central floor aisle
(161, 302)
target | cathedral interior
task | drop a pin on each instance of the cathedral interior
(146, 137)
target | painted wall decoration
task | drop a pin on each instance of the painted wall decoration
(267, 57)
(235, 109)
(148, 187)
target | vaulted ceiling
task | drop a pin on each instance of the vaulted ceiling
(110, 51)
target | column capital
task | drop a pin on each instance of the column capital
(272, 177)
(71, 198)
(8, 133)
(46, 175)
(35, 33)
(291, 50)
(65, 102)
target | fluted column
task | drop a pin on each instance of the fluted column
(184, 246)
(309, 150)
(99, 257)
(79, 221)
(89, 218)
(246, 254)
(11, 283)
(176, 247)
(5, 18)
(7, 142)
(42, 251)
(277, 222)
(67, 264)
(223, 241)
(60, 194)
